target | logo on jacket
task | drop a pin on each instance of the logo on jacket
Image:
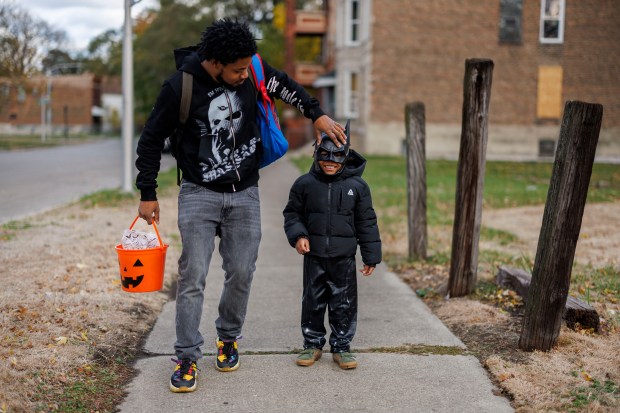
(350, 192)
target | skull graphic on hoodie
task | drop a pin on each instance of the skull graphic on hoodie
(219, 138)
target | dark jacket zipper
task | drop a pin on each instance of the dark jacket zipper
(329, 214)
(232, 132)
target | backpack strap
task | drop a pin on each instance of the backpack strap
(186, 101)
(258, 79)
(257, 72)
(251, 76)
(186, 97)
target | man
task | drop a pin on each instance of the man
(218, 154)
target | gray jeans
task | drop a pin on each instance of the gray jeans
(236, 217)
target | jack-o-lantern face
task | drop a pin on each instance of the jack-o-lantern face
(132, 281)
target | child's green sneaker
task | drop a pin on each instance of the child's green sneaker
(345, 360)
(308, 356)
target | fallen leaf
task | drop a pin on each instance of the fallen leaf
(61, 340)
(586, 376)
(505, 376)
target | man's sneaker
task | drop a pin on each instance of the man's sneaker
(183, 379)
(345, 360)
(227, 355)
(308, 356)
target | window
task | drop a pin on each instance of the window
(351, 97)
(552, 21)
(352, 23)
(510, 12)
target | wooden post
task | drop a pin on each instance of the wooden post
(561, 224)
(416, 179)
(470, 177)
(289, 39)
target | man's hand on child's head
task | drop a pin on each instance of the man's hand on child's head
(331, 128)
(302, 246)
(367, 270)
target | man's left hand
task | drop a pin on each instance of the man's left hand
(331, 128)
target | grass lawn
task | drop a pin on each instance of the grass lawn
(16, 142)
(507, 185)
(580, 373)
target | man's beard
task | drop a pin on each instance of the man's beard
(220, 80)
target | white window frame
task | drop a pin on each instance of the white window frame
(352, 22)
(351, 97)
(544, 17)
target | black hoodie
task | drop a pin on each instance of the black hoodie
(220, 145)
(334, 212)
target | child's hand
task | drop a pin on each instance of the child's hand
(302, 246)
(367, 270)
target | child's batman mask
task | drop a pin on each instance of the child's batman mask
(328, 151)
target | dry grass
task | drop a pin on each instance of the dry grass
(581, 374)
(67, 331)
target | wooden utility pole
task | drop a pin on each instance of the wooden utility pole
(416, 179)
(566, 199)
(289, 39)
(470, 177)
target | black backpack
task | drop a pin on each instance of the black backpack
(186, 100)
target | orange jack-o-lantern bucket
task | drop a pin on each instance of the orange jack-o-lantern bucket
(142, 271)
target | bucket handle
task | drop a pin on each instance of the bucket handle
(161, 243)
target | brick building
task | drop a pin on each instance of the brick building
(387, 53)
(73, 104)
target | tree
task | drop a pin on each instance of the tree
(158, 34)
(104, 54)
(154, 46)
(251, 11)
(271, 39)
(60, 62)
(25, 41)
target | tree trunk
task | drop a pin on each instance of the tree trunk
(470, 177)
(416, 180)
(561, 224)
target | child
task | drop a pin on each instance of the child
(329, 212)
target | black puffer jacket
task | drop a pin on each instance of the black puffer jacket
(335, 213)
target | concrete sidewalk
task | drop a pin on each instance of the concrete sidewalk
(390, 316)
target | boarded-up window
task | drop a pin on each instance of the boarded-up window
(549, 103)
(510, 13)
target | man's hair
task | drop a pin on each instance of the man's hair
(226, 41)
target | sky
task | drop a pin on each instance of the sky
(83, 19)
